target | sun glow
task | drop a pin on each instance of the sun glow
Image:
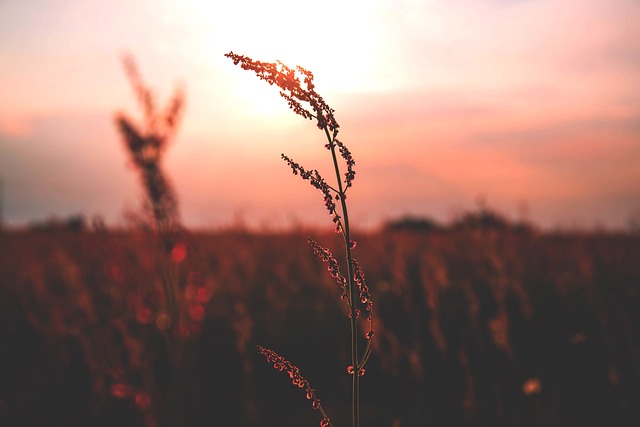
(338, 41)
(342, 43)
(259, 100)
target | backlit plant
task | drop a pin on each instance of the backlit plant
(179, 308)
(297, 88)
(146, 145)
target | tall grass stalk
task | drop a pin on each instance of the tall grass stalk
(297, 88)
(146, 144)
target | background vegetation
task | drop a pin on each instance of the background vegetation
(478, 324)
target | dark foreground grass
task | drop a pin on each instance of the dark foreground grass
(475, 327)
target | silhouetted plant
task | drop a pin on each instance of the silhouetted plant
(146, 144)
(297, 88)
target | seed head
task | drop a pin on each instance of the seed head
(297, 89)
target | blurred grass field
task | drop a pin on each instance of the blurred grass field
(475, 327)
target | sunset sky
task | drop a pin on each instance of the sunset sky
(531, 106)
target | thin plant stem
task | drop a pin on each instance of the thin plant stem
(346, 232)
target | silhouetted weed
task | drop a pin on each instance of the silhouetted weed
(297, 88)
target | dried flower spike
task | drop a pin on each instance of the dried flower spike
(297, 89)
(334, 268)
(283, 365)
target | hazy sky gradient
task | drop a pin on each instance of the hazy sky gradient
(531, 103)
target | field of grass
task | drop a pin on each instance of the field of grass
(473, 327)
(481, 323)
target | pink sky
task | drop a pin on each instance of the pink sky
(441, 103)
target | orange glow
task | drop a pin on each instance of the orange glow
(439, 102)
(17, 127)
(532, 386)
